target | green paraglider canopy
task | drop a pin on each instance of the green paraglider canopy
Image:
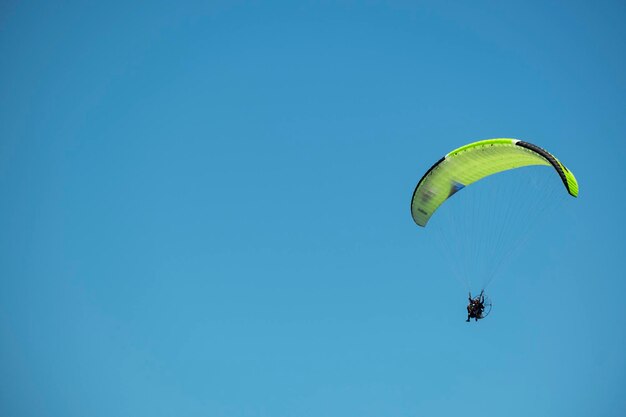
(475, 161)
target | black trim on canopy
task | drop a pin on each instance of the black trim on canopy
(420, 183)
(557, 166)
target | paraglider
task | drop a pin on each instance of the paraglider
(470, 164)
(478, 307)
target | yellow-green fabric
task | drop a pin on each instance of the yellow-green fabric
(475, 161)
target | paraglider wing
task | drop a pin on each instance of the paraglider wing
(473, 162)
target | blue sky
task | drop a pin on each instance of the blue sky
(205, 208)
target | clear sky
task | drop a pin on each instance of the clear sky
(205, 208)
